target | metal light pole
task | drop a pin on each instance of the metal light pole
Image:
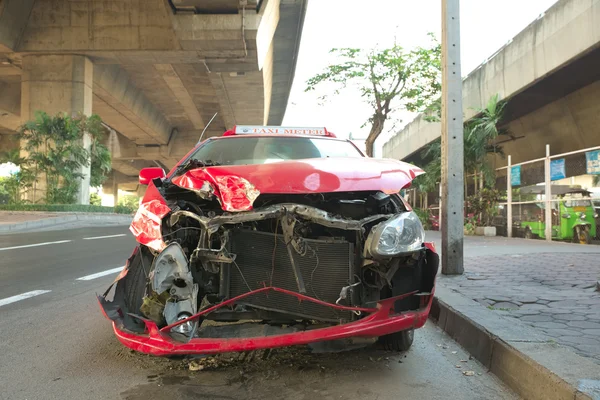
(452, 142)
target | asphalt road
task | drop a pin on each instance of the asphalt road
(56, 344)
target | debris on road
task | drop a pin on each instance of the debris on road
(468, 373)
(194, 366)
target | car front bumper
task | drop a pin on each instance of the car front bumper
(379, 321)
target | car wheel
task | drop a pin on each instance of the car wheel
(584, 236)
(399, 341)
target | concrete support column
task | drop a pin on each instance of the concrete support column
(115, 192)
(59, 83)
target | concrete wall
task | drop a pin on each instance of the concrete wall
(568, 30)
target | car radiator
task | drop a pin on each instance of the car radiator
(262, 260)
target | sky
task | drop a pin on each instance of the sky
(486, 26)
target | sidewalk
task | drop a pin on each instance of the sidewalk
(548, 286)
(24, 221)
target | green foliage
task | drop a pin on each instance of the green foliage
(484, 203)
(12, 156)
(14, 185)
(65, 208)
(423, 215)
(55, 146)
(131, 202)
(5, 196)
(469, 228)
(95, 200)
(479, 138)
(388, 80)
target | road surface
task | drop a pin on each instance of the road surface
(56, 344)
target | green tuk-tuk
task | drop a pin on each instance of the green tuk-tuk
(573, 216)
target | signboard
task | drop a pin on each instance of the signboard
(592, 162)
(557, 169)
(275, 130)
(515, 176)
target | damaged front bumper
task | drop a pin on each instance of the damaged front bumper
(378, 321)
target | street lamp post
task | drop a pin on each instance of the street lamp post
(452, 142)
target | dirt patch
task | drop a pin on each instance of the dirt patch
(291, 373)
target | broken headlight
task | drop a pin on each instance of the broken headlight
(402, 234)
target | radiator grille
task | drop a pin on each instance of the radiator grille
(325, 272)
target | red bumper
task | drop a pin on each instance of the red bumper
(380, 321)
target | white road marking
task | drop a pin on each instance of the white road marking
(33, 245)
(22, 296)
(100, 274)
(104, 237)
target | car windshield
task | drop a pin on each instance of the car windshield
(578, 203)
(267, 149)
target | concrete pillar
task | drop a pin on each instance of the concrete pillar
(452, 203)
(59, 83)
(115, 192)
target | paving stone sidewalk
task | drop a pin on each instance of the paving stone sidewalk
(554, 292)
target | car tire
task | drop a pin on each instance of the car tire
(585, 237)
(136, 281)
(398, 341)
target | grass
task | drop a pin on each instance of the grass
(499, 309)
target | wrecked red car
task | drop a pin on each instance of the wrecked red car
(268, 237)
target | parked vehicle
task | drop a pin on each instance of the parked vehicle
(573, 217)
(434, 217)
(500, 221)
(270, 237)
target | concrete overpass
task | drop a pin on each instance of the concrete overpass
(155, 71)
(550, 75)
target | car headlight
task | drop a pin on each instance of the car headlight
(402, 234)
(582, 215)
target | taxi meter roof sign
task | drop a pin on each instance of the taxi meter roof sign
(283, 130)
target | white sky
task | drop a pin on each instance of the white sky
(486, 26)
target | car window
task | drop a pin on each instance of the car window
(578, 203)
(263, 150)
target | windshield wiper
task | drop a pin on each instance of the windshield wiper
(193, 163)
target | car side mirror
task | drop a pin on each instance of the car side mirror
(148, 174)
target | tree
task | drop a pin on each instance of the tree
(56, 153)
(12, 156)
(388, 80)
(95, 199)
(479, 137)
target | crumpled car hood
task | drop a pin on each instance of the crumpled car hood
(318, 175)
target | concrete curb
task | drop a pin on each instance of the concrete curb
(528, 362)
(109, 219)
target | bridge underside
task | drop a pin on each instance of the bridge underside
(549, 76)
(155, 71)
(562, 110)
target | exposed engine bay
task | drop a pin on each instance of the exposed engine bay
(350, 249)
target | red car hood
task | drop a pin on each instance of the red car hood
(318, 175)
(237, 186)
